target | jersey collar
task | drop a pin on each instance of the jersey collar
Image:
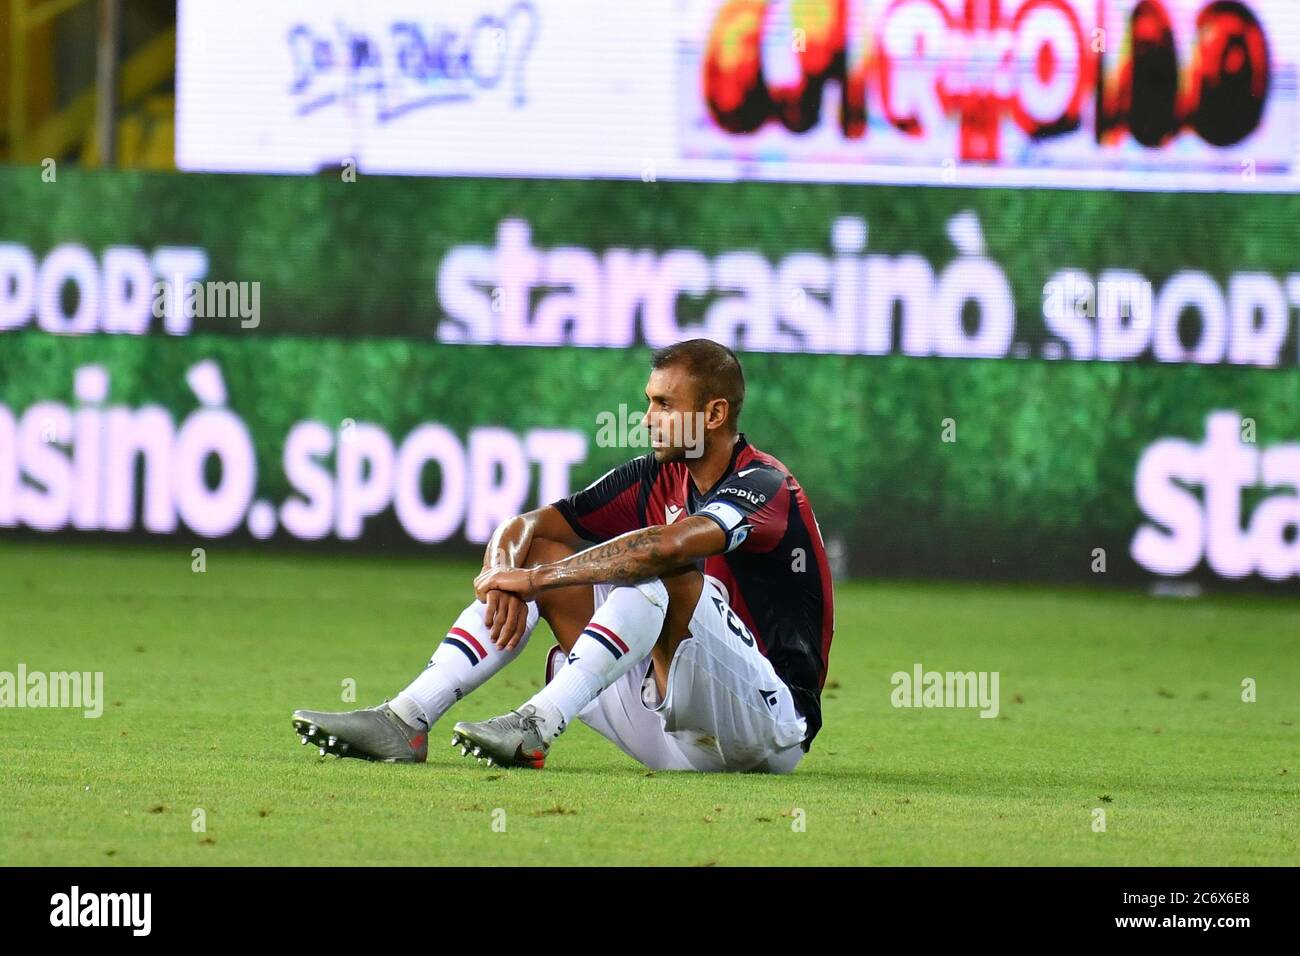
(741, 444)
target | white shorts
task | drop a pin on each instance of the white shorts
(725, 709)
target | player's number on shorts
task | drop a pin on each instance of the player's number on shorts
(736, 625)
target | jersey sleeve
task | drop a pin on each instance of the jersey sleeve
(751, 507)
(612, 504)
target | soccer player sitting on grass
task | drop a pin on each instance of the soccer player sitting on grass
(688, 589)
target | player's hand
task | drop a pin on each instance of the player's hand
(506, 618)
(517, 581)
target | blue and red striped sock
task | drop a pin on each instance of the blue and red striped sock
(622, 633)
(461, 664)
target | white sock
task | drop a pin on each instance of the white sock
(621, 634)
(464, 660)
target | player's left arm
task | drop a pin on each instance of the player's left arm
(636, 556)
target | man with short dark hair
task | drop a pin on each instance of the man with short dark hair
(688, 590)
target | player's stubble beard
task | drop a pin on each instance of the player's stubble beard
(667, 455)
(676, 451)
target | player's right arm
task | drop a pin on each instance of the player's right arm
(603, 510)
(509, 545)
(506, 614)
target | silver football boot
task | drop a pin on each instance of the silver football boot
(511, 740)
(375, 733)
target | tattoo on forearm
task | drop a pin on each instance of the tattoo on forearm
(628, 558)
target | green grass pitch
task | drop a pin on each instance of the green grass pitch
(1109, 699)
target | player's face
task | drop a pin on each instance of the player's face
(675, 424)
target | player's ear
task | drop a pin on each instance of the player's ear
(715, 412)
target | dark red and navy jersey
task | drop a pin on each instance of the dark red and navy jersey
(774, 569)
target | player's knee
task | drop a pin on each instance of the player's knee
(656, 592)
